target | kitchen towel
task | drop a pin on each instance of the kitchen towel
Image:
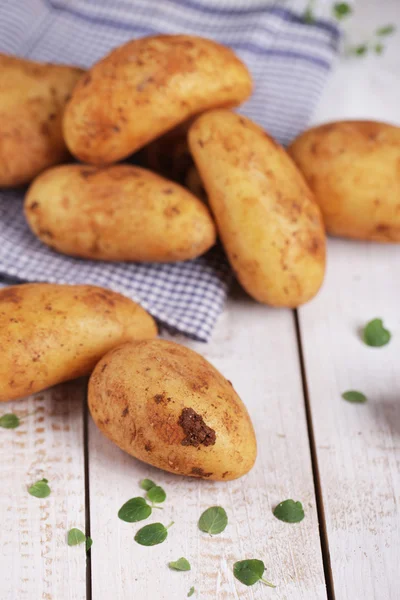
(289, 61)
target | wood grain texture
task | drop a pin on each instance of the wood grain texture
(358, 446)
(256, 348)
(36, 562)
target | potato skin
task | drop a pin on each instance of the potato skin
(50, 333)
(265, 213)
(169, 407)
(145, 88)
(353, 169)
(32, 99)
(121, 212)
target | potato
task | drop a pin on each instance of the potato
(121, 212)
(266, 215)
(167, 406)
(51, 333)
(32, 100)
(169, 155)
(145, 88)
(353, 168)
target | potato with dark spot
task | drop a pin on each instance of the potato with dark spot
(121, 212)
(32, 100)
(167, 406)
(265, 213)
(145, 88)
(50, 333)
(353, 168)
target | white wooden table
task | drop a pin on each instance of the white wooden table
(341, 460)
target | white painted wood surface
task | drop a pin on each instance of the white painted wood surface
(256, 348)
(35, 561)
(358, 446)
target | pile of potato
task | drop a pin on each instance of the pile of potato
(205, 171)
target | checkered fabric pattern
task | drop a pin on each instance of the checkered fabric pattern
(289, 61)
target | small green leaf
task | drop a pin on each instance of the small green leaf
(9, 421)
(379, 48)
(250, 571)
(308, 16)
(136, 509)
(191, 591)
(375, 334)
(289, 511)
(213, 520)
(386, 30)
(360, 50)
(156, 494)
(354, 397)
(40, 489)
(75, 537)
(341, 10)
(147, 484)
(151, 535)
(182, 564)
(89, 543)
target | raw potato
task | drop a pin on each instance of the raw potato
(120, 212)
(145, 88)
(167, 406)
(265, 213)
(169, 154)
(32, 99)
(51, 333)
(353, 168)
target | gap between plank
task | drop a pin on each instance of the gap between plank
(323, 534)
(85, 411)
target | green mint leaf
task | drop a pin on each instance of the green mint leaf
(136, 509)
(289, 511)
(182, 564)
(156, 494)
(375, 334)
(250, 571)
(9, 421)
(386, 30)
(40, 489)
(75, 537)
(213, 520)
(147, 484)
(354, 397)
(191, 591)
(379, 48)
(341, 10)
(359, 50)
(89, 543)
(151, 535)
(308, 16)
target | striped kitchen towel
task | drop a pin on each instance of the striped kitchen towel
(289, 61)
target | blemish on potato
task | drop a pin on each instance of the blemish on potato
(199, 472)
(10, 295)
(195, 429)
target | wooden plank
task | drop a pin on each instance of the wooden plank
(256, 348)
(35, 559)
(358, 446)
